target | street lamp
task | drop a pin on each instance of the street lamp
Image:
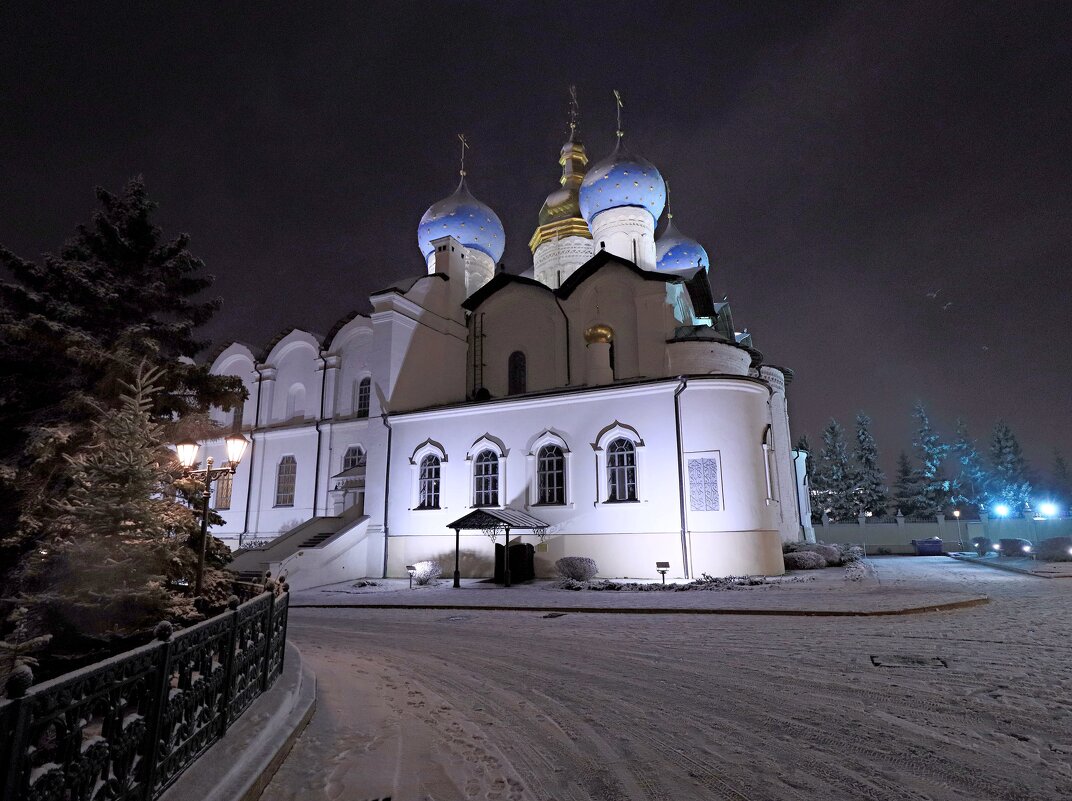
(235, 445)
(960, 538)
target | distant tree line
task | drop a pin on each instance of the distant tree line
(935, 477)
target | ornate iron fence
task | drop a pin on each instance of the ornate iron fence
(125, 728)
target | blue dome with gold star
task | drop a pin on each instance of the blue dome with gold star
(466, 219)
(622, 179)
(675, 251)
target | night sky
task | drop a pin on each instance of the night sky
(838, 162)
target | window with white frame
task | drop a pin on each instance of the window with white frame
(550, 476)
(486, 479)
(768, 461)
(286, 477)
(428, 482)
(223, 491)
(363, 397)
(621, 470)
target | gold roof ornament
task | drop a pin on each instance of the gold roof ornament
(560, 215)
(598, 333)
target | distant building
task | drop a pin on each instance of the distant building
(604, 392)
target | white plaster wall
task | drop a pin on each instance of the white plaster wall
(629, 232)
(789, 520)
(725, 419)
(296, 361)
(353, 345)
(524, 318)
(700, 357)
(557, 259)
(728, 416)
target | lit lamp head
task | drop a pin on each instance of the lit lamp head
(1001, 510)
(1048, 509)
(187, 453)
(236, 448)
(956, 513)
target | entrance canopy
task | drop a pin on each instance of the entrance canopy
(489, 519)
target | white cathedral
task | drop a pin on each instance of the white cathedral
(604, 393)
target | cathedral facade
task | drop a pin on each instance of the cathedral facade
(604, 392)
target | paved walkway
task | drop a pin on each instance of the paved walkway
(967, 705)
(833, 591)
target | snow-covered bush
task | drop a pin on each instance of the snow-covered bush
(803, 560)
(426, 572)
(578, 568)
(833, 554)
(1056, 549)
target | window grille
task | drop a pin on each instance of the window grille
(486, 479)
(223, 491)
(285, 478)
(428, 483)
(621, 471)
(550, 475)
(703, 485)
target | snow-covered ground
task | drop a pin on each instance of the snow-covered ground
(974, 704)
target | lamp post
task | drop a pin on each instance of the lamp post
(187, 452)
(960, 538)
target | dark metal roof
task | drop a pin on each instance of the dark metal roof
(497, 518)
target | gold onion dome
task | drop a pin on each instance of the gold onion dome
(598, 333)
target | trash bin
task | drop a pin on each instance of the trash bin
(928, 547)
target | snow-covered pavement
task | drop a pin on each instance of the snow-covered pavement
(973, 704)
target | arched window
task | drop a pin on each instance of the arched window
(428, 483)
(296, 401)
(363, 395)
(550, 476)
(286, 477)
(354, 457)
(223, 491)
(486, 479)
(516, 375)
(621, 470)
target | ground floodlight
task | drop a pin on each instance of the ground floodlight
(1001, 510)
(1027, 549)
(1048, 509)
(997, 546)
(662, 568)
(412, 570)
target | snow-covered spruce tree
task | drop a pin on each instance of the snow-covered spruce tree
(970, 485)
(119, 533)
(834, 482)
(906, 486)
(933, 487)
(870, 480)
(1011, 484)
(117, 287)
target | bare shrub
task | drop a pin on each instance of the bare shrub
(426, 572)
(578, 568)
(803, 560)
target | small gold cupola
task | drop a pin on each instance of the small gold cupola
(560, 216)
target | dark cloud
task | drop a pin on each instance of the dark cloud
(837, 161)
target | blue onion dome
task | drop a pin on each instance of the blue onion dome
(675, 251)
(466, 219)
(622, 179)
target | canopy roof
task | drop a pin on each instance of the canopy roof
(497, 518)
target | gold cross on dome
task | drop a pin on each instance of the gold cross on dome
(618, 100)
